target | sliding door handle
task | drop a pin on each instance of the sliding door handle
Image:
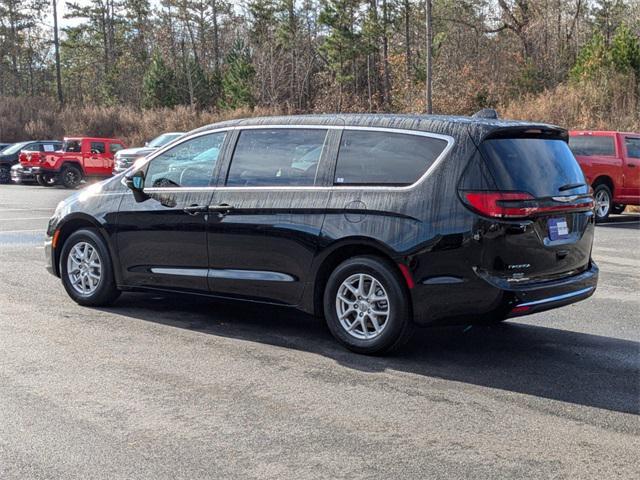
(221, 208)
(195, 209)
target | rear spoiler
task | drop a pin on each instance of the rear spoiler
(549, 132)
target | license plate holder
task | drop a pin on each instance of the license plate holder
(558, 228)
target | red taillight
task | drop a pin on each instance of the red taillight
(512, 205)
(500, 204)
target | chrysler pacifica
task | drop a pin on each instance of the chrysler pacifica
(375, 222)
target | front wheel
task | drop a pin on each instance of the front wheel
(71, 176)
(45, 180)
(366, 306)
(603, 199)
(86, 269)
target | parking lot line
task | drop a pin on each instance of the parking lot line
(20, 231)
(23, 218)
(26, 209)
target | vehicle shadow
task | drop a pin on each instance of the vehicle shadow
(573, 367)
(630, 221)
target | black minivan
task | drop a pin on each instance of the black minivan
(376, 222)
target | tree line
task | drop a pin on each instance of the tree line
(321, 55)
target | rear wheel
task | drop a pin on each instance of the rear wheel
(5, 174)
(86, 269)
(71, 176)
(603, 199)
(366, 306)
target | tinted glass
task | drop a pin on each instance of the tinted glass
(189, 164)
(163, 139)
(588, 145)
(633, 147)
(384, 158)
(536, 166)
(72, 146)
(115, 147)
(15, 148)
(49, 147)
(274, 157)
(98, 147)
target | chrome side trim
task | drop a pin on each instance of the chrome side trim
(230, 274)
(557, 297)
(183, 272)
(376, 188)
(261, 275)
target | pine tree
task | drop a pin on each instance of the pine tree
(159, 88)
(237, 79)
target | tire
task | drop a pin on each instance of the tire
(604, 202)
(45, 180)
(617, 209)
(90, 292)
(5, 174)
(71, 176)
(394, 328)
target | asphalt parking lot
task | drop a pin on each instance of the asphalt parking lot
(173, 387)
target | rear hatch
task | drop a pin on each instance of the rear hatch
(535, 208)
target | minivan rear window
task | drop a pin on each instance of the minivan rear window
(588, 145)
(540, 167)
(384, 158)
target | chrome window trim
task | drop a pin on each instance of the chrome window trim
(376, 188)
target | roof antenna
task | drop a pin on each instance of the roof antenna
(486, 113)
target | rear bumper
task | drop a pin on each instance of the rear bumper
(482, 298)
(534, 298)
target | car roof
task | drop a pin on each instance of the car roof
(600, 132)
(93, 138)
(456, 126)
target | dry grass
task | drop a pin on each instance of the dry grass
(29, 118)
(612, 103)
(608, 103)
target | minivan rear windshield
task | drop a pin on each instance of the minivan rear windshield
(540, 167)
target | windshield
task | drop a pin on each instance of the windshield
(163, 139)
(15, 148)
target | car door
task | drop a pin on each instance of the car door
(267, 213)
(162, 241)
(632, 166)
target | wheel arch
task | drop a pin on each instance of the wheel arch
(72, 163)
(73, 224)
(604, 180)
(334, 255)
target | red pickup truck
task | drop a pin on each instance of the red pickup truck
(79, 158)
(611, 164)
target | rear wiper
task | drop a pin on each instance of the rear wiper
(571, 186)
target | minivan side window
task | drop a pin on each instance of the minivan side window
(188, 164)
(633, 147)
(276, 157)
(384, 158)
(588, 145)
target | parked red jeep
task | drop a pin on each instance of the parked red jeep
(611, 164)
(80, 158)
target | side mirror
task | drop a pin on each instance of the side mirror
(146, 144)
(135, 183)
